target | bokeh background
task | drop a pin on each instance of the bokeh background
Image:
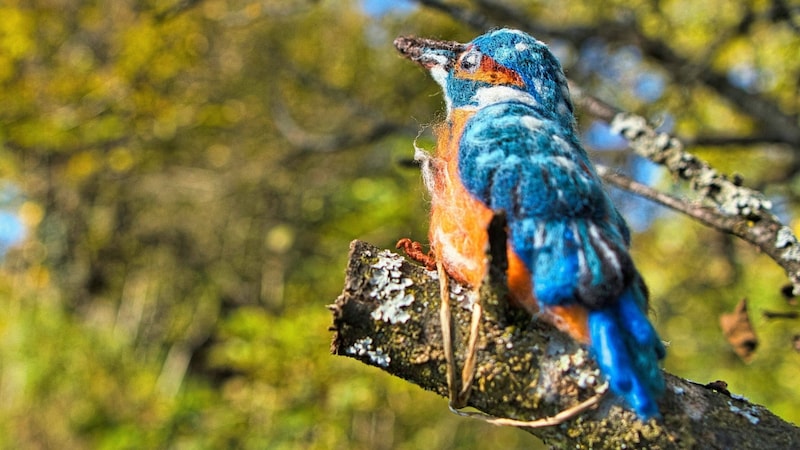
(180, 179)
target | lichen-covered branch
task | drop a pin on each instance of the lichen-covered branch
(728, 196)
(761, 229)
(388, 317)
(722, 203)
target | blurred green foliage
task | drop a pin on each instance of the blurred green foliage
(191, 173)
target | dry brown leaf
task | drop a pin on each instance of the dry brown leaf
(738, 330)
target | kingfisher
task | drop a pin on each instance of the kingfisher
(509, 143)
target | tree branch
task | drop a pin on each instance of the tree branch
(459, 13)
(387, 317)
(706, 215)
(734, 209)
(723, 141)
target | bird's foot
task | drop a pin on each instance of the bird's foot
(413, 250)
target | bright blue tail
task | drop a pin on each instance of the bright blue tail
(628, 349)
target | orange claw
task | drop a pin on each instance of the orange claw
(413, 250)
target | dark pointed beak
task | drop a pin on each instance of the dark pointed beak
(429, 53)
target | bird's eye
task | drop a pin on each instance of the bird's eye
(470, 61)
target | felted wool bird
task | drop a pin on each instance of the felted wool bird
(509, 143)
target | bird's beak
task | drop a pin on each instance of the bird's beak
(429, 53)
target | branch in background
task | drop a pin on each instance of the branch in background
(791, 315)
(373, 126)
(704, 214)
(388, 317)
(175, 10)
(305, 141)
(723, 141)
(734, 209)
(460, 14)
(730, 197)
(756, 226)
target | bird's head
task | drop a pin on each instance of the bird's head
(502, 65)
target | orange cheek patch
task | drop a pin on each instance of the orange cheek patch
(491, 72)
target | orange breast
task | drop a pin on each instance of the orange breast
(458, 220)
(458, 234)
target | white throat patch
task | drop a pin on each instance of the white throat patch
(499, 94)
(439, 75)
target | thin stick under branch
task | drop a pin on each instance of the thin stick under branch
(387, 317)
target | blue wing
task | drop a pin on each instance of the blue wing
(562, 223)
(564, 227)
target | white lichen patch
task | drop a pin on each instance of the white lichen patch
(363, 347)
(462, 296)
(628, 126)
(742, 201)
(577, 363)
(730, 198)
(786, 239)
(389, 288)
(586, 379)
(574, 365)
(750, 413)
